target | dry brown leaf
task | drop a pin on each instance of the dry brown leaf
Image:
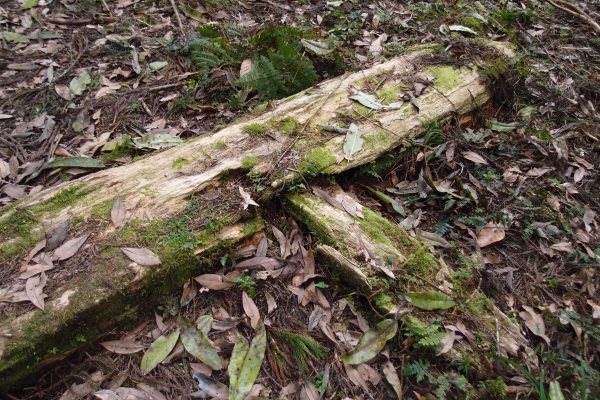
(309, 262)
(535, 172)
(141, 256)
(490, 233)
(246, 67)
(34, 288)
(284, 246)
(38, 246)
(69, 248)
(117, 214)
(391, 376)
(476, 158)
(447, 342)
(355, 376)
(259, 262)
(247, 199)
(34, 270)
(59, 235)
(328, 198)
(263, 245)
(14, 191)
(250, 309)
(271, 303)
(563, 246)
(309, 391)
(122, 347)
(534, 322)
(315, 316)
(213, 282)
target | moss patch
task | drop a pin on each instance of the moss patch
(249, 162)
(375, 140)
(317, 160)
(180, 163)
(62, 199)
(255, 128)
(446, 78)
(18, 232)
(289, 124)
(102, 210)
(389, 93)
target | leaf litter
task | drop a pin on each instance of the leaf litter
(489, 162)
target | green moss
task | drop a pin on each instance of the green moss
(317, 160)
(62, 199)
(389, 93)
(300, 144)
(18, 232)
(295, 204)
(102, 210)
(471, 22)
(289, 124)
(421, 262)
(360, 109)
(259, 108)
(375, 140)
(447, 77)
(383, 302)
(218, 145)
(249, 162)
(180, 163)
(381, 230)
(496, 388)
(255, 128)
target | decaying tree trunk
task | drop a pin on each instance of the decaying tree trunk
(89, 301)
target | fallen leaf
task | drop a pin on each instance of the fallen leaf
(563, 246)
(14, 191)
(258, 262)
(246, 197)
(354, 141)
(79, 84)
(250, 309)
(126, 393)
(538, 171)
(64, 92)
(76, 162)
(534, 322)
(431, 300)
(309, 391)
(59, 235)
(245, 363)
(156, 141)
(271, 303)
(122, 347)
(476, 158)
(106, 394)
(117, 214)
(447, 342)
(391, 376)
(213, 282)
(319, 47)
(69, 249)
(158, 351)
(366, 100)
(490, 233)
(211, 387)
(34, 287)
(284, 247)
(246, 67)
(141, 256)
(197, 344)
(388, 201)
(371, 343)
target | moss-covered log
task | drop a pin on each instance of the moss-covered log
(159, 186)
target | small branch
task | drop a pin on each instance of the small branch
(177, 16)
(575, 11)
(60, 21)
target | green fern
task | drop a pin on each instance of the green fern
(207, 53)
(417, 368)
(426, 335)
(303, 347)
(284, 71)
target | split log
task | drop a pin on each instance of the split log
(90, 299)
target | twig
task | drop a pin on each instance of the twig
(575, 11)
(106, 7)
(177, 16)
(60, 21)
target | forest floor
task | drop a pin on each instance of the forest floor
(84, 81)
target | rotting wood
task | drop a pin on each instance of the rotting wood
(153, 188)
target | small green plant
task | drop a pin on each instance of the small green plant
(247, 284)
(303, 347)
(427, 335)
(181, 104)
(249, 162)
(322, 285)
(420, 370)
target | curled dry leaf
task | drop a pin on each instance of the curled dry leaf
(69, 249)
(122, 347)
(141, 256)
(117, 214)
(259, 262)
(34, 288)
(247, 199)
(271, 303)
(59, 235)
(534, 322)
(490, 233)
(476, 158)
(250, 309)
(214, 281)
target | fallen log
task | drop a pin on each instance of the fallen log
(283, 144)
